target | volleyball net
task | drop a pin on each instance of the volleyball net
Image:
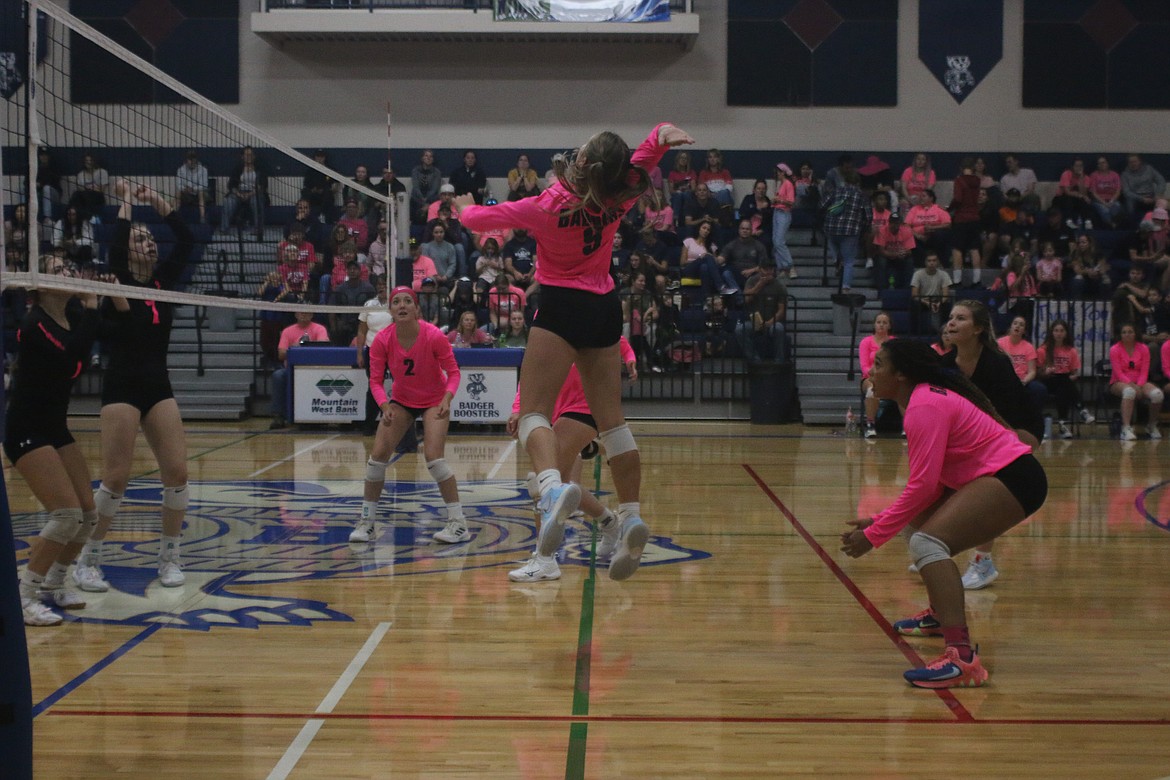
(263, 214)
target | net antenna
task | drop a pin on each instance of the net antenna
(73, 105)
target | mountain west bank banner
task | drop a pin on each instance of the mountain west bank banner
(329, 394)
(583, 10)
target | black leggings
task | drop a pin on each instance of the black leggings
(1065, 390)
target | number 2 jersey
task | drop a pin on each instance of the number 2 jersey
(573, 248)
(422, 374)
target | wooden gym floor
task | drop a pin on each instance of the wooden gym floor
(747, 646)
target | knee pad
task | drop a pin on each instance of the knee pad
(175, 498)
(88, 523)
(925, 549)
(376, 470)
(868, 393)
(106, 501)
(617, 441)
(1156, 397)
(529, 423)
(440, 471)
(63, 525)
(1128, 394)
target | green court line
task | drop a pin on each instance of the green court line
(579, 730)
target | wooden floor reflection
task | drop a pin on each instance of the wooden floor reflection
(746, 647)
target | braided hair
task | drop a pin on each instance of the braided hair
(922, 365)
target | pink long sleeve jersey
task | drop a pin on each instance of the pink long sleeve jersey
(951, 443)
(1132, 368)
(572, 395)
(422, 374)
(573, 249)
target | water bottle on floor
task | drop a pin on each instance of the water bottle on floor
(1047, 427)
(850, 422)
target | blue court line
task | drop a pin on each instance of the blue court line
(1140, 504)
(85, 676)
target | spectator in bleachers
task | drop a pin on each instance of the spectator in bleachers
(619, 257)
(293, 268)
(489, 266)
(306, 252)
(422, 267)
(761, 334)
(1058, 364)
(1049, 272)
(715, 317)
(835, 178)
(468, 333)
(682, 179)
(989, 228)
(1014, 220)
(943, 344)
(425, 181)
(847, 216)
(373, 320)
(930, 223)
(502, 300)
(361, 176)
(640, 317)
(745, 255)
(446, 198)
(1105, 189)
(1141, 185)
(756, 207)
(893, 251)
(357, 229)
(247, 190)
(432, 303)
(313, 229)
(456, 236)
(338, 271)
(389, 184)
(303, 331)
(74, 234)
(93, 184)
(1090, 270)
(1157, 330)
(866, 352)
(658, 255)
(701, 206)
(16, 236)
(878, 219)
(1023, 356)
(657, 215)
(1022, 179)
(1148, 250)
(808, 195)
(1130, 298)
(48, 184)
(1056, 231)
(354, 291)
(930, 290)
(520, 260)
(1017, 282)
(782, 205)
(966, 227)
(515, 336)
(319, 190)
(192, 183)
(442, 252)
(272, 290)
(379, 252)
(523, 181)
(876, 177)
(469, 178)
(699, 262)
(986, 182)
(1074, 196)
(918, 177)
(1130, 381)
(718, 180)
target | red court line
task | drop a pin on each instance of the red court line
(698, 719)
(948, 698)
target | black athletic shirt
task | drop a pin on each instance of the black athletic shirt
(139, 340)
(997, 379)
(49, 359)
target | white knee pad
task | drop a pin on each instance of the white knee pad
(529, 423)
(176, 498)
(440, 471)
(88, 523)
(1128, 394)
(106, 501)
(62, 525)
(925, 550)
(617, 441)
(376, 470)
(1156, 397)
(868, 393)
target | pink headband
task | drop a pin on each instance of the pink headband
(404, 289)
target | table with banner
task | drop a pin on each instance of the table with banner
(327, 387)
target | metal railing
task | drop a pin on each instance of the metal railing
(475, 6)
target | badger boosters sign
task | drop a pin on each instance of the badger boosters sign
(485, 394)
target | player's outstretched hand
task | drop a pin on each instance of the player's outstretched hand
(670, 135)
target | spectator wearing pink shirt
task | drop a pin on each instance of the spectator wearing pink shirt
(580, 321)
(931, 225)
(303, 331)
(1059, 366)
(866, 352)
(1023, 356)
(782, 205)
(918, 177)
(1074, 196)
(971, 480)
(1129, 381)
(426, 376)
(1049, 272)
(718, 179)
(1105, 190)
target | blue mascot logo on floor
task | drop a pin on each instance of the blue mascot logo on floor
(254, 535)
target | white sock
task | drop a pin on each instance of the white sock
(30, 583)
(605, 519)
(56, 577)
(626, 511)
(92, 551)
(455, 511)
(369, 510)
(170, 548)
(548, 479)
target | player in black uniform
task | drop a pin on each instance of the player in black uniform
(137, 389)
(54, 346)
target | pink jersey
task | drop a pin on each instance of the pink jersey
(1065, 360)
(422, 374)
(1019, 353)
(574, 249)
(572, 395)
(866, 352)
(951, 443)
(1131, 368)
